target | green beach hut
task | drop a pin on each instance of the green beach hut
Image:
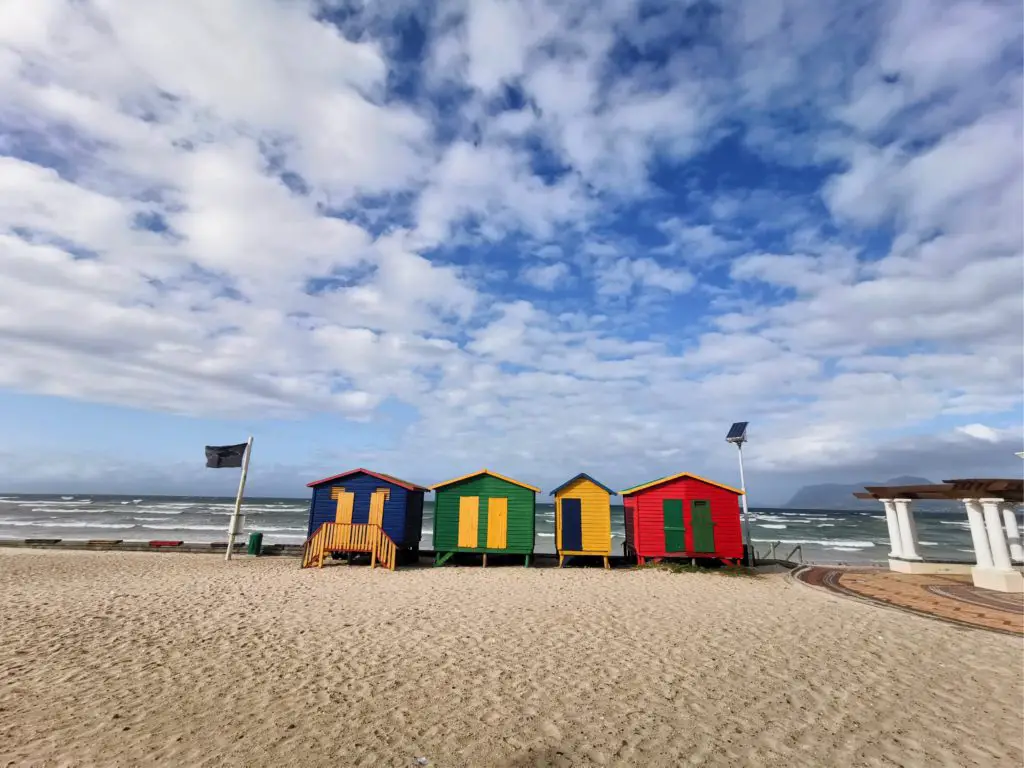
(484, 512)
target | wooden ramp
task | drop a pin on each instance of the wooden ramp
(332, 538)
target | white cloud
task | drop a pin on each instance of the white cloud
(694, 242)
(980, 432)
(499, 36)
(546, 276)
(231, 210)
(494, 187)
(805, 274)
(621, 276)
(929, 49)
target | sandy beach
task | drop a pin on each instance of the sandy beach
(114, 659)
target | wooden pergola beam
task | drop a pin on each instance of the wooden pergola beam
(1008, 489)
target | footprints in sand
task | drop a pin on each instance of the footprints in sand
(262, 663)
(550, 730)
(492, 718)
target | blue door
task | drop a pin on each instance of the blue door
(572, 525)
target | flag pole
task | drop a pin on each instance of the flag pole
(238, 499)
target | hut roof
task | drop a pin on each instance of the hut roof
(379, 475)
(679, 476)
(583, 476)
(484, 472)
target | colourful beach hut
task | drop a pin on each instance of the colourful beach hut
(360, 511)
(484, 512)
(683, 515)
(583, 518)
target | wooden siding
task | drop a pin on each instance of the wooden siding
(520, 515)
(400, 521)
(649, 534)
(596, 517)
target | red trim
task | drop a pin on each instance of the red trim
(166, 543)
(386, 478)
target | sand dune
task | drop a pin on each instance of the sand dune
(114, 659)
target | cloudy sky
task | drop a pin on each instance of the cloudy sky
(541, 236)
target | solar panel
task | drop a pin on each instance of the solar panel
(737, 432)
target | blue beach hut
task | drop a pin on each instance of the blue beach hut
(363, 511)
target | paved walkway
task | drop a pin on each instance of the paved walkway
(950, 598)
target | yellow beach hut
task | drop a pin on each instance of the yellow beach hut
(583, 518)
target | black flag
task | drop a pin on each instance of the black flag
(221, 456)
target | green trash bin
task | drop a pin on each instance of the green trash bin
(255, 543)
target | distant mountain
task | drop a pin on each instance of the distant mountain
(840, 496)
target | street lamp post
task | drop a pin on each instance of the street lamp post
(738, 436)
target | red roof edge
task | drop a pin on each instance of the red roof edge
(379, 475)
(673, 478)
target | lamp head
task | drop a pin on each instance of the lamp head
(737, 433)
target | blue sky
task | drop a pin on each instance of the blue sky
(543, 237)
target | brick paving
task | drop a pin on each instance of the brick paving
(947, 597)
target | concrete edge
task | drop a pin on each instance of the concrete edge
(841, 592)
(115, 545)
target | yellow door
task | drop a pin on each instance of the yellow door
(376, 519)
(377, 506)
(497, 523)
(342, 515)
(469, 515)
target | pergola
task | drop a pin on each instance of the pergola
(990, 512)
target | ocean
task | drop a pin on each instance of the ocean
(826, 536)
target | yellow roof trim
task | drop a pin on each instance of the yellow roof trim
(484, 472)
(670, 478)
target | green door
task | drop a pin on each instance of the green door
(703, 527)
(672, 513)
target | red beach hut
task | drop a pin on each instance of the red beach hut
(683, 515)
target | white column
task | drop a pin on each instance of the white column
(1012, 533)
(895, 549)
(996, 534)
(982, 551)
(908, 529)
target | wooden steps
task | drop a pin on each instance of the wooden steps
(331, 538)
